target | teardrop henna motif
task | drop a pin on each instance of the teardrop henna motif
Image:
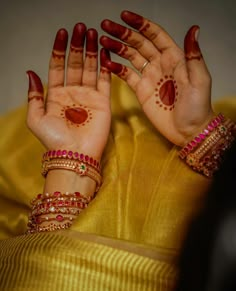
(166, 93)
(76, 115)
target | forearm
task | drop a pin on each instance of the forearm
(66, 193)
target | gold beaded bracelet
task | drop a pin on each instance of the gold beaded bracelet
(80, 168)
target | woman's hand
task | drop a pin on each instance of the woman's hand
(173, 86)
(76, 113)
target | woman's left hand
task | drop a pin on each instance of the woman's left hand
(76, 114)
(173, 86)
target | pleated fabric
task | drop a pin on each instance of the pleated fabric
(66, 262)
(147, 200)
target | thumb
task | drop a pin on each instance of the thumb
(35, 99)
(196, 66)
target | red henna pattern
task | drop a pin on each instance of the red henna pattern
(77, 115)
(76, 49)
(104, 70)
(104, 57)
(60, 42)
(166, 92)
(78, 36)
(92, 41)
(38, 98)
(117, 69)
(91, 55)
(114, 46)
(58, 55)
(123, 72)
(133, 19)
(35, 84)
(116, 29)
(145, 27)
(191, 46)
(127, 35)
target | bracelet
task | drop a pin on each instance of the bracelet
(207, 157)
(64, 154)
(76, 166)
(65, 203)
(58, 217)
(56, 207)
(56, 210)
(76, 196)
(50, 227)
(214, 123)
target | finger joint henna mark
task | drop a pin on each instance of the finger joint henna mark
(58, 54)
(91, 55)
(104, 70)
(144, 27)
(123, 71)
(38, 98)
(74, 49)
(196, 57)
(33, 95)
(123, 50)
(76, 115)
(166, 93)
(126, 35)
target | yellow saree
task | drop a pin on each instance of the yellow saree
(130, 235)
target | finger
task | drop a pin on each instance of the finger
(35, 99)
(136, 59)
(75, 58)
(155, 33)
(134, 39)
(104, 80)
(57, 61)
(89, 77)
(125, 73)
(196, 66)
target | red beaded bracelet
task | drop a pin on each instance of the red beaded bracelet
(57, 154)
(214, 123)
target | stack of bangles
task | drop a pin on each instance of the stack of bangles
(56, 211)
(205, 152)
(60, 209)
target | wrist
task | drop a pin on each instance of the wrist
(68, 181)
(205, 151)
(199, 129)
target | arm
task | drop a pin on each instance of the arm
(73, 118)
(172, 85)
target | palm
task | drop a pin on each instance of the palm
(172, 112)
(174, 93)
(91, 131)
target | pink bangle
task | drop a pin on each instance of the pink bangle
(214, 123)
(55, 154)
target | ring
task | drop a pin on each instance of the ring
(144, 66)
